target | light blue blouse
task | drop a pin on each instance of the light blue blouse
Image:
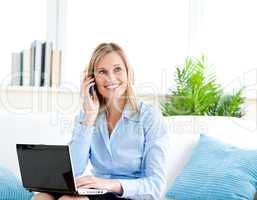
(135, 153)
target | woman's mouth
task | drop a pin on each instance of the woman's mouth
(112, 86)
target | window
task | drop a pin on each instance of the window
(227, 34)
(154, 35)
(21, 23)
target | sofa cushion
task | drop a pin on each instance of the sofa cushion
(11, 188)
(185, 133)
(216, 171)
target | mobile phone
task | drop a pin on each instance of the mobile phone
(91, 90)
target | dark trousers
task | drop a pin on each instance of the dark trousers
(107, 196)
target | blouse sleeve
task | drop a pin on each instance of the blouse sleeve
(80, 144)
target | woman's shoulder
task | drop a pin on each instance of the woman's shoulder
(147, 108)
(146, 111)
(80, 116)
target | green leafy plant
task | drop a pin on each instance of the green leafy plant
(197, 93)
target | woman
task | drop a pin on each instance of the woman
(124, 139)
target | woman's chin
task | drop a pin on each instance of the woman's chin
(114, 95)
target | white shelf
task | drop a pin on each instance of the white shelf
(251, 96)
(36, 89)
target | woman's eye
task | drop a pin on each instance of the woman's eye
(117, 69)
(101, 72)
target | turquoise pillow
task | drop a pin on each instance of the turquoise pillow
(216, 171)
(11, 188)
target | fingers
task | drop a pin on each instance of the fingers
(92, 185)
(90, 81)
(88, 182)
(83, 183)
(84, 180)
(93, 182)
(88, 78)
(88, 86)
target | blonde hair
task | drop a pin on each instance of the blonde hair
(100, 51)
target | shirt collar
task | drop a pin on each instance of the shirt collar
(128, 114)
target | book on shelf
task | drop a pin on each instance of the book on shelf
(26, 67)
(33, 52)
(38, 66)
(46, 64)
(21, 69)
(16, 67)
(56, 68)
(36, 47)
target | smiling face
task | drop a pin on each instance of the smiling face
(111, 76)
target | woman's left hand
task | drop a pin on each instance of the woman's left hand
(111, 185)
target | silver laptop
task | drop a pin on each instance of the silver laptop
(48, 168)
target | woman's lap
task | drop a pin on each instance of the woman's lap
(108, 196)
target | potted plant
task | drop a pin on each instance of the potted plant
(197, 93)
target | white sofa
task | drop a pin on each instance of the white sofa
(54, 128)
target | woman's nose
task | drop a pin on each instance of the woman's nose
(111, 76)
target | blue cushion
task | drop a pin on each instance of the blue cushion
(216, 171)
(11, 188)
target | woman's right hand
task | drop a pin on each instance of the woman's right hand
(90, 103)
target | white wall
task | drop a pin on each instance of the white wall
(67, 102)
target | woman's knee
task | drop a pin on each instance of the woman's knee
(42, 196)
(68, 197)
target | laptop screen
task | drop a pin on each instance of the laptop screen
(45, 167)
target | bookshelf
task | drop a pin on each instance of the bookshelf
(37, 66)
(31, 89)
(32, 99)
